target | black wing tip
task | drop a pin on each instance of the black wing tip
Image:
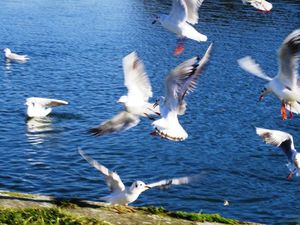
(95, 131)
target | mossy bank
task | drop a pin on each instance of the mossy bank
(18, 208)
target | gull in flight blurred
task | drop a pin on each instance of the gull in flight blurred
(13, 56)
(135, 102)
(119, 194)
(285, 142)
(261, 5)
(183, 15)
(41, 107)
(286, 85)
(181, 81)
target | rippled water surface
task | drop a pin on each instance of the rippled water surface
(76, 50)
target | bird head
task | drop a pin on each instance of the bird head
(139, 186)
(264, 92)
(123, 99)
(7, 51)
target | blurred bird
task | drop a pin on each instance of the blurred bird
(181, 81)
(13, 56)
(285, 142)
(41, 107)
(261, 5)
(286, 85)
(125, 195)
(135, 102)
(183, 15)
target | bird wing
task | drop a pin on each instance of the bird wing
(249, 65)
(279, 139)
(183, 79)
(120, 122)
(192, 10)
(179, 11)
(46, 102)
(112, 179)
(136, 79)
(174, 181)
(288, 59)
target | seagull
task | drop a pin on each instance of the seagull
(285, 142)
(135, 102)
(286, 85)
(181, 81)
(122, 195)
(41, 107)
(183, 15)
(261, 5)
(13, 56)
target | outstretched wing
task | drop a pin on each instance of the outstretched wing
(136, 79)
(179, 11)
(288, 59)
(192, 10)
(120, 122)
(112, 179)
(46, 102)
(174, 181)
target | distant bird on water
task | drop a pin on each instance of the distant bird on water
(135, 102)
(15, 57)
(285, 142)
(183, 15)
(261, 5)
(181, 81)
(125, 195)
(41, 107)
(286, 85)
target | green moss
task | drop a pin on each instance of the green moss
(43, 216)
(199, 217)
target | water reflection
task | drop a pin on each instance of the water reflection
(38, 130)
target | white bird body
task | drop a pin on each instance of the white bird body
(41, 107)
(286, 85)
(179, 83)
(125, 195)
(261, 5)
(13, 56)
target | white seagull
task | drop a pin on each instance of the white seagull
(285, 142)
(180, 82)
(119, 194)
(286, 85)
(183, 15)
(41, 107)
(15, 57)
(135, 102)
(261, 5)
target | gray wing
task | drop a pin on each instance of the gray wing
(120, 122)
(179, 11)
(279, 139)
(46, 102)
(183, 79)
(174, 181)
(112, 179)
(288, 59)
(192, 10)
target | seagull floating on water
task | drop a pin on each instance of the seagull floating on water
(41, 107)
(180, 82)
(13, 56)
(261, 5)
(286, 85)
(135, 102)
(285, 142)
(125, 195)
(183, 15)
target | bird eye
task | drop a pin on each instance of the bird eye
(136, 185)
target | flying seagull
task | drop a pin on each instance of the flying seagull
(285, 142)
(15, 57)
(135, 102)
(41, 107)
(181, 81)
(261, 5)
(286, 85)
(119, 194)
(183, 15)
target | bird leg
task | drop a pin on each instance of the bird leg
(291, 113)
(149, 117)
(179, 48)
(283, 111)
(290, 175)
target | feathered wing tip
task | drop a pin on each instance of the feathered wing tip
(292, 41)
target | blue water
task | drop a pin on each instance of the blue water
(76, 50)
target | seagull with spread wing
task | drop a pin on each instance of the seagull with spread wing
(286, 85)
(15, 57)
(135, 102)
(41, 107)
(285, 142)
(183, 15)
(119, 194)
(180, 82)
